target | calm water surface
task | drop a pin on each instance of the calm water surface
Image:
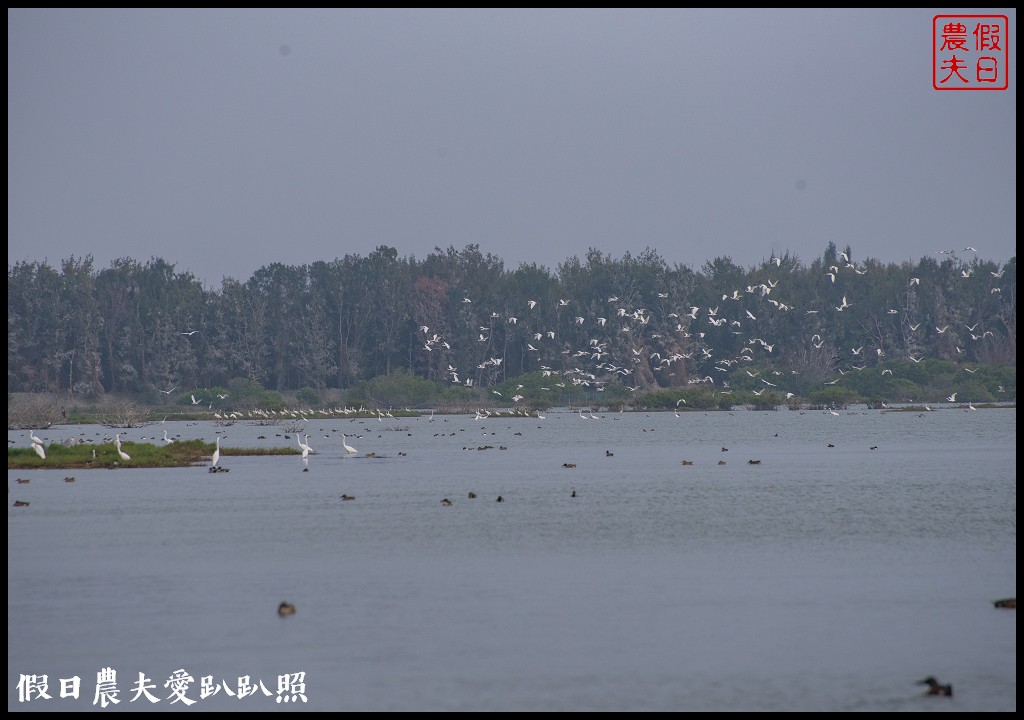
(821, 579)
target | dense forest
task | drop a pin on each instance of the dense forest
(460, 320)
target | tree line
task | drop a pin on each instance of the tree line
(459, 317)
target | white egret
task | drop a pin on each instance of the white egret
(121, 453)
(167, 440)
(348, 448)
(39, 450)
(216, 453)
(304, 446)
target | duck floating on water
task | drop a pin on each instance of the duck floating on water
(1010, 603)
(935, 687)
(285, 609)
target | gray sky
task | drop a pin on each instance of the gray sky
(225, 140)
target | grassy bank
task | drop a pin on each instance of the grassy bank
(142, 455)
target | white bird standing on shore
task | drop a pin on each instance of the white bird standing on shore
(121, 453)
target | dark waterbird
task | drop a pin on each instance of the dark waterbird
(935, 687)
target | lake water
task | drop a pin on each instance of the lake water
(821, 579)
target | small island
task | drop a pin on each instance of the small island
(141, 455)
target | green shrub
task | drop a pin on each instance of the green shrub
(308, 396)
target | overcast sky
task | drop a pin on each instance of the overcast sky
(226, 140)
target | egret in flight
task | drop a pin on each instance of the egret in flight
(304, 446)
